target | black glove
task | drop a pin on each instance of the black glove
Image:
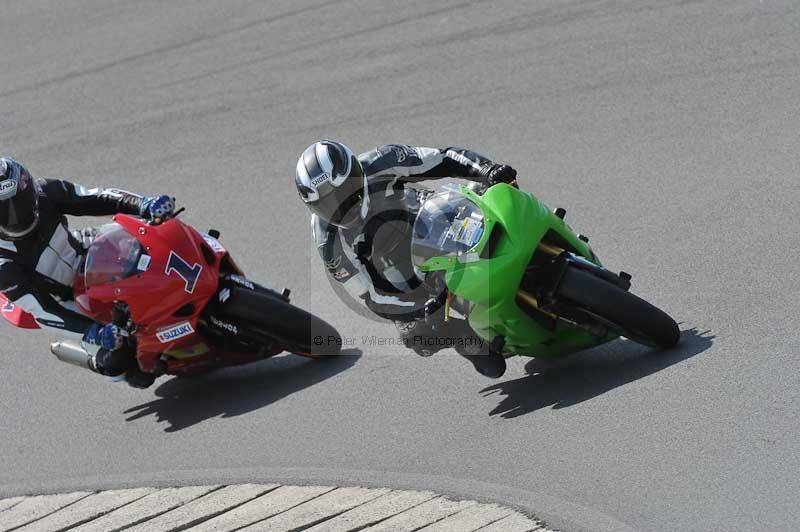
(363, 251)
(433, 310)
(501, 173)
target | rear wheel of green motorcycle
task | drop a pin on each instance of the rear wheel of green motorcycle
(632, 316)
(298, 331)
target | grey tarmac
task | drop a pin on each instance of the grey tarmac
(667, 129)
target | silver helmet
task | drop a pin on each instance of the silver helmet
(331, 182)
(19, 200)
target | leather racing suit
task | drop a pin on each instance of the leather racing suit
(375, 255)
(38, 270)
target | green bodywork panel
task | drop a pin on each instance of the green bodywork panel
(491, 284)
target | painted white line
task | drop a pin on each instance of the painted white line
(5, 504)
(469, 519)
(272, 503)
(422, 515)
(516, 522)
(35, 508)
(85, 510)
(202, 508)
(257, 507)
(316, 510)
(374, 511)
(147, 507)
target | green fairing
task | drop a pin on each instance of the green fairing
(491, 284)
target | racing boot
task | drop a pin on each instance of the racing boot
(111, 363)
(120, 364)
(137, 378)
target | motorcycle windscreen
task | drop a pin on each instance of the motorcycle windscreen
(114, 255)
(14, 315)
(448, 224)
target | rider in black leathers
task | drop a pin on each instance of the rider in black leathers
(40, 256)
(363, 214)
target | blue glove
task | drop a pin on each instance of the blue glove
(160, 207)
(108, 337)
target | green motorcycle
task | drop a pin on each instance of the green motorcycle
(526, 281)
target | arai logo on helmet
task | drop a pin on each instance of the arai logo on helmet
(320, 179)
(8, 188)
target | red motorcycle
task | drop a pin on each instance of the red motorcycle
(184, 304)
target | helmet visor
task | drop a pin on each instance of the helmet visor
(339, 209)
(341, 205)
(18, 214)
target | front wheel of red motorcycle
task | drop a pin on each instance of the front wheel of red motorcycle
(633, 317)
(298, 331)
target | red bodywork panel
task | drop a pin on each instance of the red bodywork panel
(162, 303)
(166, 294)
(15, 315)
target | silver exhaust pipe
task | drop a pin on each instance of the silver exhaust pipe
(71, 353)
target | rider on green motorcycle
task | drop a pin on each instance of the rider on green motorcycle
(363, 214)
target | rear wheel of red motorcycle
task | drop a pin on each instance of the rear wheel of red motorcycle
(634, 317)
(298, 331)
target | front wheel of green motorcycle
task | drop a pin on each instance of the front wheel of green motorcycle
(635, 318)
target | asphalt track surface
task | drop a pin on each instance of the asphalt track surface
(667, 129)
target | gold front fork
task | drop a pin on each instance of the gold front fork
(529, 298)
(550, 250)
(447, 306)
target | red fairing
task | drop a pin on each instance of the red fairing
(166, 293)
(14, 315)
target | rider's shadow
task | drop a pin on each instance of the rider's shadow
(230, 392)
(589, 374)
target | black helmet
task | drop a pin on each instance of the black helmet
(19, 200)
(331, 182)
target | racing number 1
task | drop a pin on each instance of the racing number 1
(181, 267)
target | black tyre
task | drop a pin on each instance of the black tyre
(297, 330)
(632, 316)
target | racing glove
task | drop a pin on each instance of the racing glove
(500, 173)
(161, 207)
(107, 337)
